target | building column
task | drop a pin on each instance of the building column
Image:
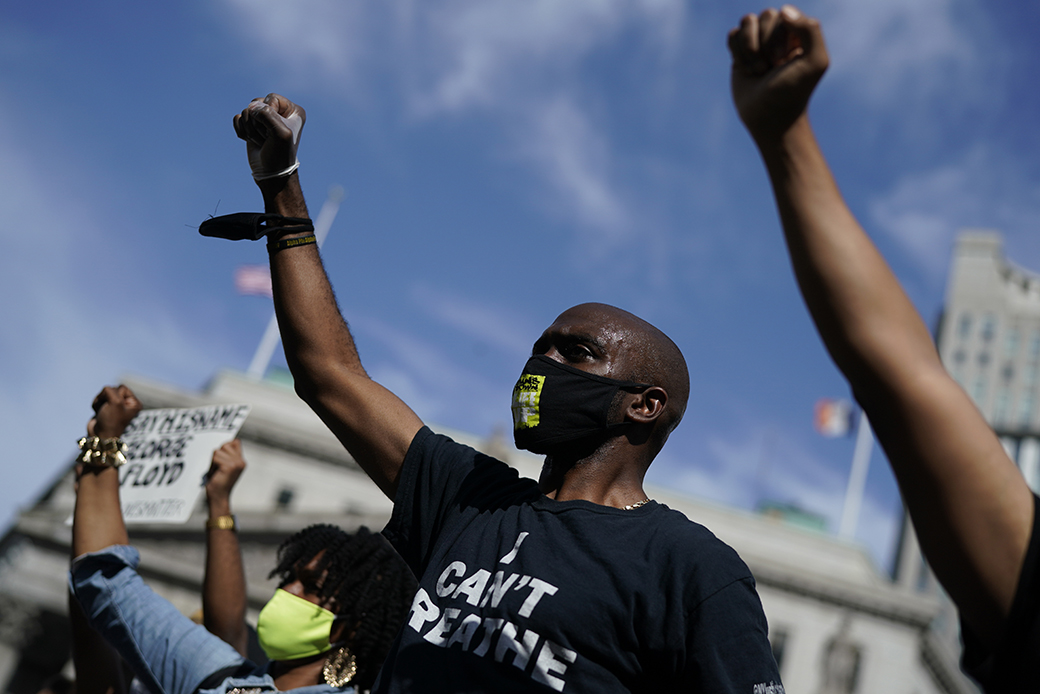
(1029, 461)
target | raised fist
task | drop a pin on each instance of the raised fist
(778, 57)
(114, 408)
(271, 127)
(227, 465)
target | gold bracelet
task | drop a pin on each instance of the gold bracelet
(98, 452)
(222, 523)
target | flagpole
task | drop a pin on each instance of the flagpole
(857, 478)
(269, 342)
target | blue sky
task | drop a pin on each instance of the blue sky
(502, 161)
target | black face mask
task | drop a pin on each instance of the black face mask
(556, 404)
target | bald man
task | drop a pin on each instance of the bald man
(577, 582)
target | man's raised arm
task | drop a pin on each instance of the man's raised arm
(971, 508)
(375, 425)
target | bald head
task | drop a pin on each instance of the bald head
(629, 349)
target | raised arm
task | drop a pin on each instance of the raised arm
(373, 424)
(97, 521)
(224, 584)
(971, 508)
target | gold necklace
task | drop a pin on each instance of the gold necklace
(636, 504)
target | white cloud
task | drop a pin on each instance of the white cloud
(892, 52)
(923, 211)
(494, 325)
(497, 53)
(576, 160)
(329, 38)
(510, 61)
(433, 384)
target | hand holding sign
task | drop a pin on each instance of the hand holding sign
(168, 451)
(226, 466)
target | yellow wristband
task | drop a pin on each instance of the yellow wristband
(221, 523)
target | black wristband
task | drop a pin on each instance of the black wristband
(253, 226)
(282, 244)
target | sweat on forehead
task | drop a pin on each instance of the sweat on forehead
(653, 357)
(660, 360)
(604, 320)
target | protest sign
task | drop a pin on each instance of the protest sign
(168, 453)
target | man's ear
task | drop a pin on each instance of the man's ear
(647, 406)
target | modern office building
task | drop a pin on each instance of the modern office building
(838, 625)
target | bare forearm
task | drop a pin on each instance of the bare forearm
(97, 521)
(314, 334)
(372, 423)
(224, 585)
(866, 321)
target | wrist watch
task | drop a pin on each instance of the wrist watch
(221, 523)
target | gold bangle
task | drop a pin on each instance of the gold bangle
(221, 523)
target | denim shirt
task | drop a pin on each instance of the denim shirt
(168, 652)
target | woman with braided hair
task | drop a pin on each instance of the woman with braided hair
(365, 582)
(341, 599)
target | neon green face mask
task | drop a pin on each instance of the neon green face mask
(290, 627)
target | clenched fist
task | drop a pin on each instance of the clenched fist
(778, 57)
(271, 127)
(224, 470)
(114, 408)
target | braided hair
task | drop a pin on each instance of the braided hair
(369, 582)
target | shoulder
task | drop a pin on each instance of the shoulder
(479, 469)
(429, 446)
(674, 529)
(694, 554)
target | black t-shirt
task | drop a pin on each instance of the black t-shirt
(1012, 666)
(519, 592)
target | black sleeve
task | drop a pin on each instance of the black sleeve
(441, 479)
(727, 644)
(1012, 665)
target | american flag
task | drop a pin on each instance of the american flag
(833, 418)
(254, 280)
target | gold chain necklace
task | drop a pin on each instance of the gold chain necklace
(636, 504)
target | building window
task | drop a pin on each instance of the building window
(841, 664)
(978, 391)
(1034, 345)
(989, 326)
(964, 326)
(1025, 409)
(1011, 343)
(1000, 407)
(983, 359)
(1029, 375)
(1008, 372)
(284, 498)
